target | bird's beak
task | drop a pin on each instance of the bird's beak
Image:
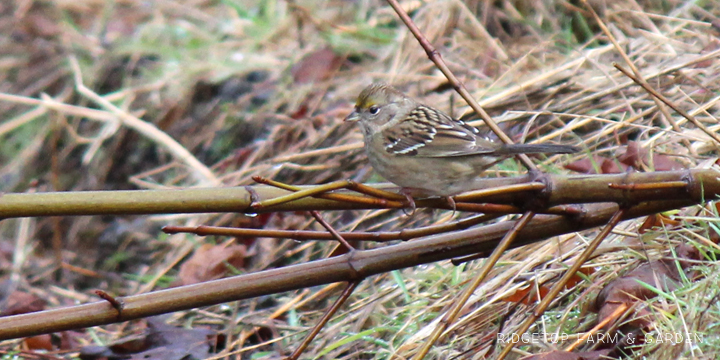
(354, 116)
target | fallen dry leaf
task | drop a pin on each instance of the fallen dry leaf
(316, 66)
(626, 290)
(565, 355)
(657, 220)
(211, 262)
(22, 303)
(161, 342)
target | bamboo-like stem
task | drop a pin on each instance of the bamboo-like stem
(348, 267)
(701, 184)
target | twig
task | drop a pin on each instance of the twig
(669, 103)
(384, 236)
(329, 228)
(381, 198)
(202, 172)
(325, 318)
(53, 104)
(319, 152)
(453, 313)
(552, 294)
(436, 58)
(638, 76)
(476, 195)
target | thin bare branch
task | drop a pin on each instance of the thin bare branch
(490, 262)
(436, 58)
(555, 290)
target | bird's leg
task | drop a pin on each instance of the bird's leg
(407, 192)
(451, 201)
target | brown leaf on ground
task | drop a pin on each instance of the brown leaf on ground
(632, 155)
(665, 163)
(639, 158)
(170, 343)
(50, 342)
(588, 166)
(612, 166)
(528, 295)
(161, 342)
(211, 262)
(628, 156)
(22, 303)
(626, 290)
(565, 355)
(39, 342)
(316, 66)
(657, 220)
(585, 165)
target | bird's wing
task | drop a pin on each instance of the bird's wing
(430, 133)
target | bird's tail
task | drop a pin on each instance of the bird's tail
(538, 149)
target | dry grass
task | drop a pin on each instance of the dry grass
(223, 80)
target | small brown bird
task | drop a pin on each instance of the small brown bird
(424, 150)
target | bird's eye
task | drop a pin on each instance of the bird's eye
(374, 109)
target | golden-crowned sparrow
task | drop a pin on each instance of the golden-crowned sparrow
(424, 150)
